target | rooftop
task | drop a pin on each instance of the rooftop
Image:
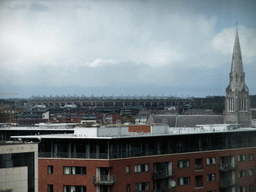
(42, 126)
(126, 131)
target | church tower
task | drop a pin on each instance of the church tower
(237, 102)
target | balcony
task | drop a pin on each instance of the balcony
(228, 183)
(199, 184)
(228, 167)
(103, 180)
(161, 174)
(73, 155)
(198, 167)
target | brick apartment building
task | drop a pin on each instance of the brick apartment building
(147, 158)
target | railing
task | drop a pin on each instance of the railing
(74, 155)
(198, 167)
(103, 180)
(161, 174)
(199, 184)
(228, 167)
(228, 183)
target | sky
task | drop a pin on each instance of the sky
(112, 48)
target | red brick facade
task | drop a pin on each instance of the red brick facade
(141, 129)
(118, 168)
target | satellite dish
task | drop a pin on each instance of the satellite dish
(173, 183)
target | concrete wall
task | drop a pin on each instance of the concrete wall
(159, 129)
(86, 131)
(14, 178)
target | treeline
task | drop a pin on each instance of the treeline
(216, 103)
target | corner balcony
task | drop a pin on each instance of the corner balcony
(228, 167)
(228, 183)
(160, 174)
(103, 180)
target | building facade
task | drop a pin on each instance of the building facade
(18, 167)
(148, 158)
(237, 102)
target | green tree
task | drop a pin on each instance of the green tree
(4, 117)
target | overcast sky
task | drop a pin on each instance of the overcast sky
(124, 48)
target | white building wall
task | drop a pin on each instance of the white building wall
(15, 179)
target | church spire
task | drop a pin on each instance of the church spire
(237, 75)
(237, 102)
(237, 66)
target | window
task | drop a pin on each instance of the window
(198, 164)
(211, 177)
(127, 169)
(251, 157)
(50, 169)
(211, 161)
(141, 168)
(184, 181)
(74, 170)
(199, 181)
(183, 163)
(69, 188)
(251, 172)
(242, 173)
(251, 187)
(142, 186)
(50, 188)
(242, 189)
(128, 188)
(242, 157)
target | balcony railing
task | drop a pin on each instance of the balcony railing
(198, 167)
(199, 184)
(161, 174)
(74, 155)
(228, 183)
(103, 180)
(228, 167)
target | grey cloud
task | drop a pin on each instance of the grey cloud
(38, 7)
(125, 79)
(82, 7)
(19, 6)
(170, 37)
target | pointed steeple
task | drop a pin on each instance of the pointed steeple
(237, 102)
(237, 75)
(237, 65)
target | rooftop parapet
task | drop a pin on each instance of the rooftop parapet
(133, 130)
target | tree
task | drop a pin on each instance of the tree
(4, 117)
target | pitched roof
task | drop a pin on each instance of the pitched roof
(186, 120)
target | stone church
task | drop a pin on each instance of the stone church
(237, 102)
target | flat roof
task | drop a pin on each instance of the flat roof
(172, 132)
(36, 129)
